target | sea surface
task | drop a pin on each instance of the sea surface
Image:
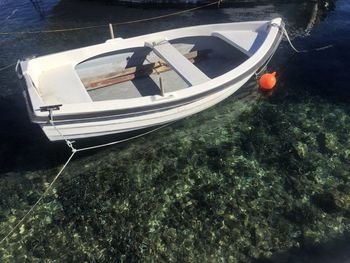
(256, 178)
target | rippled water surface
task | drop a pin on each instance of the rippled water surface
(253, 179)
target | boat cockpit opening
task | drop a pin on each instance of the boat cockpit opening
(171, 66)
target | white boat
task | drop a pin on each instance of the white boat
(131, 84)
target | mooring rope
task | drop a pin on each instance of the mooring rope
(6, 67)
(285, 33)
(124, 140)
(257, 74)
(301, 51)
(68, 142)
(74, 151)
(167, 15)
(38, 201)
(114, 24)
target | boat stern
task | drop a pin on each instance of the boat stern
(33, 100)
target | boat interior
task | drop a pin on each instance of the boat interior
(159, 68)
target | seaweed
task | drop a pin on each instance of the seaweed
(239, 182)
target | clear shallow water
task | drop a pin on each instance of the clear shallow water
(253, 179)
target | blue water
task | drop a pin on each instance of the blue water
(254, 179)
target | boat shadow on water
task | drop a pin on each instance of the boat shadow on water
(26, 148)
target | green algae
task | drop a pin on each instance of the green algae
(238, 182)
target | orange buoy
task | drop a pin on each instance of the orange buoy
(268, 81)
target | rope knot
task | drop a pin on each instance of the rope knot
(70, 145)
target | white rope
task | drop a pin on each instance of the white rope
(257, 74)
(39, 200)
(124, 140)
(6, 67)
(284, 30)
(74, 151)
(290, 42)
(68, 142)
(115, 24)
(301, 51)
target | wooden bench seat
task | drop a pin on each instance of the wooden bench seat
(178, 62)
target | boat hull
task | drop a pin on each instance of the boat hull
(94, 127)
(77, 117)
